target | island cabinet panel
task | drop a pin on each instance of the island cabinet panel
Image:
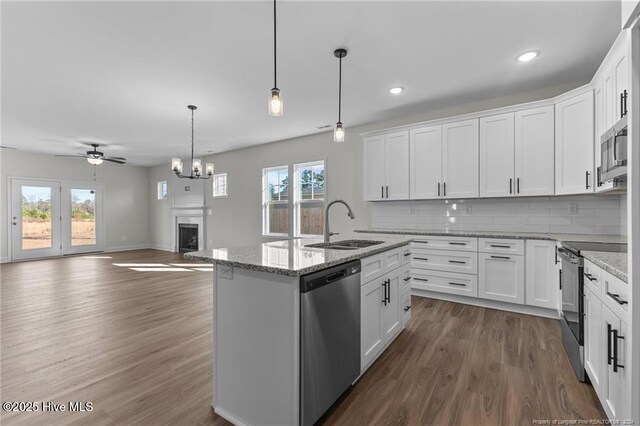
(371, 336)
(257, 336)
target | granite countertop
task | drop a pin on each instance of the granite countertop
(497, 234)
(291, 257)
(613, 263)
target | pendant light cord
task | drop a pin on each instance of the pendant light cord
(192, 133)
(340, 91)
(275, 58)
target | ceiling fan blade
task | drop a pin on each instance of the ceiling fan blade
(113, 161)
(116, 158)
(74, 156)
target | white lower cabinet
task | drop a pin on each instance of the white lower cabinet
(594, 342)
(382, 304)
(616, 401)
(501, 277)
(445, 282)
(541, 274)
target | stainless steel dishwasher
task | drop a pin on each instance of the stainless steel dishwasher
(330, 337)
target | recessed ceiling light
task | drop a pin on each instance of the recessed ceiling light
(526, 57)
(396, 90)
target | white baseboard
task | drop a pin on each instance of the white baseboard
(491, 304)
(4, 260)
(127, 248)
(229, 417)
(161, 247)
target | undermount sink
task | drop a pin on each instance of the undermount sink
(345, 244)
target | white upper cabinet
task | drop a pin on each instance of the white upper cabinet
(496, 155)
(534, 152)
(375, 164)
(397, 167)
(575, 145)
(386, 167)
(460, 159)
(425, 169)
(629, 11)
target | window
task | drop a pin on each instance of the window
(220, 185)
(309, 199)
(162, 190)
(275, 201)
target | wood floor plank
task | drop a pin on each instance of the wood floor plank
(139, 346)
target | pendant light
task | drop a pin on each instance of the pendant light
(276, 105)
(196, 164)
(338, 132)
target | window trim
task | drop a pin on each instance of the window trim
(297, 202)
(158, 190)
(226, 185)
(266, 202)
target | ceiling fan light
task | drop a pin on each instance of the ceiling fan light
(94, 160)
(176, 165)
(276, 104)
(209, 169)
(338, 132)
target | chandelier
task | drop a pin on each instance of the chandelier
(196, 164)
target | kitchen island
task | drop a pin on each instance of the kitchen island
(258, 330)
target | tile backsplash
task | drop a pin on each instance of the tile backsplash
(583, 214)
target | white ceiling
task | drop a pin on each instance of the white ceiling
(122, 73)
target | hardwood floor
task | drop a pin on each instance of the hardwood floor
(137, 344)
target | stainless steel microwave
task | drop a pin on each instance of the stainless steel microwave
(613, 153)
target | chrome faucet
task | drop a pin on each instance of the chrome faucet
(327, 232)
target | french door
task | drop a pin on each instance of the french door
(53, 218)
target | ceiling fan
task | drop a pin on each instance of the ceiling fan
(96, 157)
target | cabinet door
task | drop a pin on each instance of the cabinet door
(535, 152)
(397, 166)
(541, 281)
(460, 159)
(615, 392)
(425, 169)
(371, 336)
(497, 156)
(574, 145)
(594, 344)
(374, 168)
(609, 99)
(621, 83)
(600, 128)
(391, 318)
(501, 277)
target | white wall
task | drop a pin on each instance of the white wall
(596, 214)
(237, 219)
(126, 208)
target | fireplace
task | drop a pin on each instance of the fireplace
(187, 237)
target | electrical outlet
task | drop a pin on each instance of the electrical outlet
(225, 271)
(573, 208)
(209, 212)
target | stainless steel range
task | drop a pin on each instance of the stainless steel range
(572, 286)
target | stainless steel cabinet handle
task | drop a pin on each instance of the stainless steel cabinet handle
(406, 308)
(501, 257)
(407, 279)
(587, 179)
(609, 357)
(518, 185)
(421, 242)
(500, 246)
(438, 189)
(458, 262)
(422, 279)
(617, 298)
(457, 244)
(407, 254)
(616, 337)
(382, 191)
(421, 258)
(598, 176)
(458, 284)
(510, 185)
(387, 191)
(590, 277)
(444, 188)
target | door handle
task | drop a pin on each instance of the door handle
(590, 277)
(406, 308)
(617, 298)
(609, 357)
(389, 291)
(598, 176)
(438, 189)
(518, 185)
(616, 337)
(382, 191)
(587, 179)
(444, 188)
(387, 191)
(510, 185)
(625, 102)
(384, 293)
(622, 94)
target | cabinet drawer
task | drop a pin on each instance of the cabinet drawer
(615, 294)
(448, 261)
(446, 243)
(392, 259)
(406, 255)
(445, 282)
(593, 278)
(405, 308)
(405, 284)
(489, 245)
(372, 267)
